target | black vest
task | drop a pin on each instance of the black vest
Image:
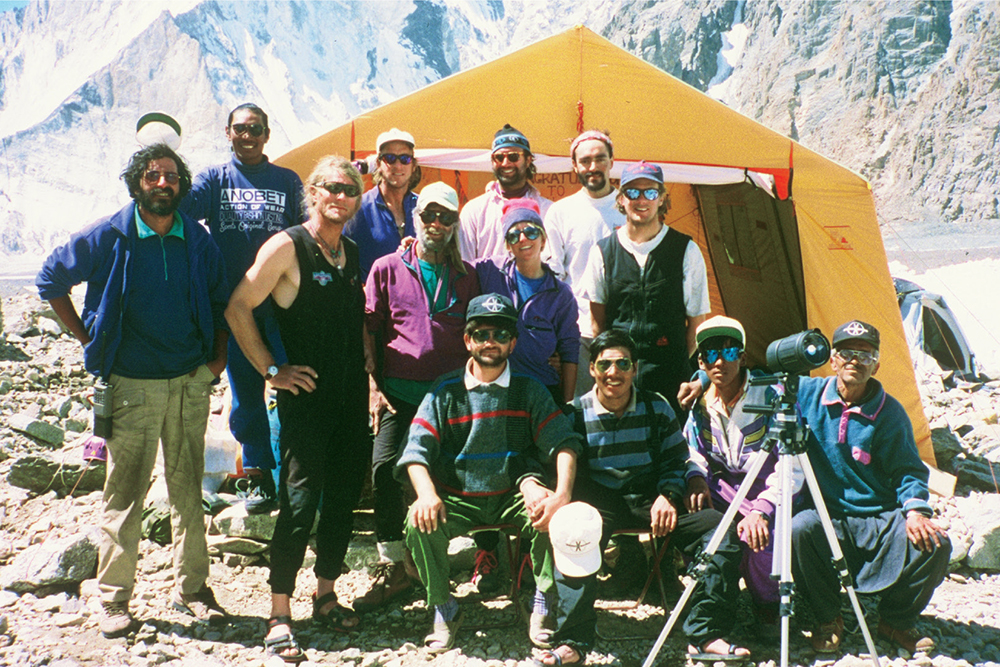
(648, 304)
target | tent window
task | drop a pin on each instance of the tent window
(737, 236)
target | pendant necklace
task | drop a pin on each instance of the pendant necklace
(335, 254)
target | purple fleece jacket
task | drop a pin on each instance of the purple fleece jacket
(419, 345)
(546, 322)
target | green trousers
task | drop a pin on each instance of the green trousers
(430, 550)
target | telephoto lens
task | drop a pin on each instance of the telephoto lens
(798, 353)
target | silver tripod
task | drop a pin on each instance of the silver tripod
(789, 436)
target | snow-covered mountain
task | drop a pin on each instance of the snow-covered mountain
(905, 93)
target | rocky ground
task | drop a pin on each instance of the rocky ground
(49, 507)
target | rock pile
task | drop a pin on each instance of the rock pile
(50, 508)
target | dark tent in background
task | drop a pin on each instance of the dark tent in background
(932, 331)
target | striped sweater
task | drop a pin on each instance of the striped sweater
(638, 452)
(483, 441)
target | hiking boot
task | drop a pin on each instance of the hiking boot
(389, 581)
(117, 620)
(910, 639)
(486, 575)
(202, 605)
(826, 637)
(258, 493)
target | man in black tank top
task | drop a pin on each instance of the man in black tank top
(313, 275)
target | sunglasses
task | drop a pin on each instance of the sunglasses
(727, 354)
(501, 336)
(624, 364)
(335, 189)
(446, 218)
(153, 177)
(499, 158)
(391, 158)
(862, 357)
(531, 232)
(255, 129)
(634, 193)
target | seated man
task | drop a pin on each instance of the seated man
(723, 438)
(860, 445)
(636, 460)
(476, 441)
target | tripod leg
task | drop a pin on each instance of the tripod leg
(838, 555)
(700, 565)
(783, 549)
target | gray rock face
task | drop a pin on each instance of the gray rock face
(41, 431)
(52, 564)
(40, 473)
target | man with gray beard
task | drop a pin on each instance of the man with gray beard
(416, 301)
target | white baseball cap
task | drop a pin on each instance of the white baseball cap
(575, 533)
(438, 193)
(395, 134)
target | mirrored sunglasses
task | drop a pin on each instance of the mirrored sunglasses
(446, 218)
(335, 188)
(513, 158)
(501, 336)
(624, 364)
(727, 354)
(861, 356)
(392, 158)
(634, 193)
(255, 129)
(153, 177)
(531, 232)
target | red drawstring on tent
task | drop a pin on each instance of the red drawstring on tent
(579, 117)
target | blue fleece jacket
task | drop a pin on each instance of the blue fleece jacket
(864, 456)
(101, 255)
(373, 227)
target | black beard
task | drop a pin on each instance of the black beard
(508, 181)
(158, 206)
(486, 362)
(594, 186)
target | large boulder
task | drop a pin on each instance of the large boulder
(48, 434)
(981, 513)
(41, 473)
(53, 564)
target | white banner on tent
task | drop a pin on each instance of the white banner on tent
(472, 159)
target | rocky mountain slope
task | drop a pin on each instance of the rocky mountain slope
(906, 93)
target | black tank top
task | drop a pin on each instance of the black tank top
(323, 327)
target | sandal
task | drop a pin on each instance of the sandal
(283, 646)
(697, 653)
(557, 659)
(337, 619)
(442, 637)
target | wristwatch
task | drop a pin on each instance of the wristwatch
(272, 370)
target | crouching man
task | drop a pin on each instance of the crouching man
(153, 329)
(861, 447)
(479, 438)
(636, 459)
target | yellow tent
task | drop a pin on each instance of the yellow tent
(791, 237)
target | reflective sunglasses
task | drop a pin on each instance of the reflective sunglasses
(334, 188)
(531, 232)
(391, 158)
(727, 354)
(153, 177)
(446, 218)
(501, 336)
(861, 356)
(624, 364)
(634, 193)
(513, 158)
(255, 129)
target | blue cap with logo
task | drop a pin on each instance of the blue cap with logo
(641, 170)
(509, 137)
(491, 306)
